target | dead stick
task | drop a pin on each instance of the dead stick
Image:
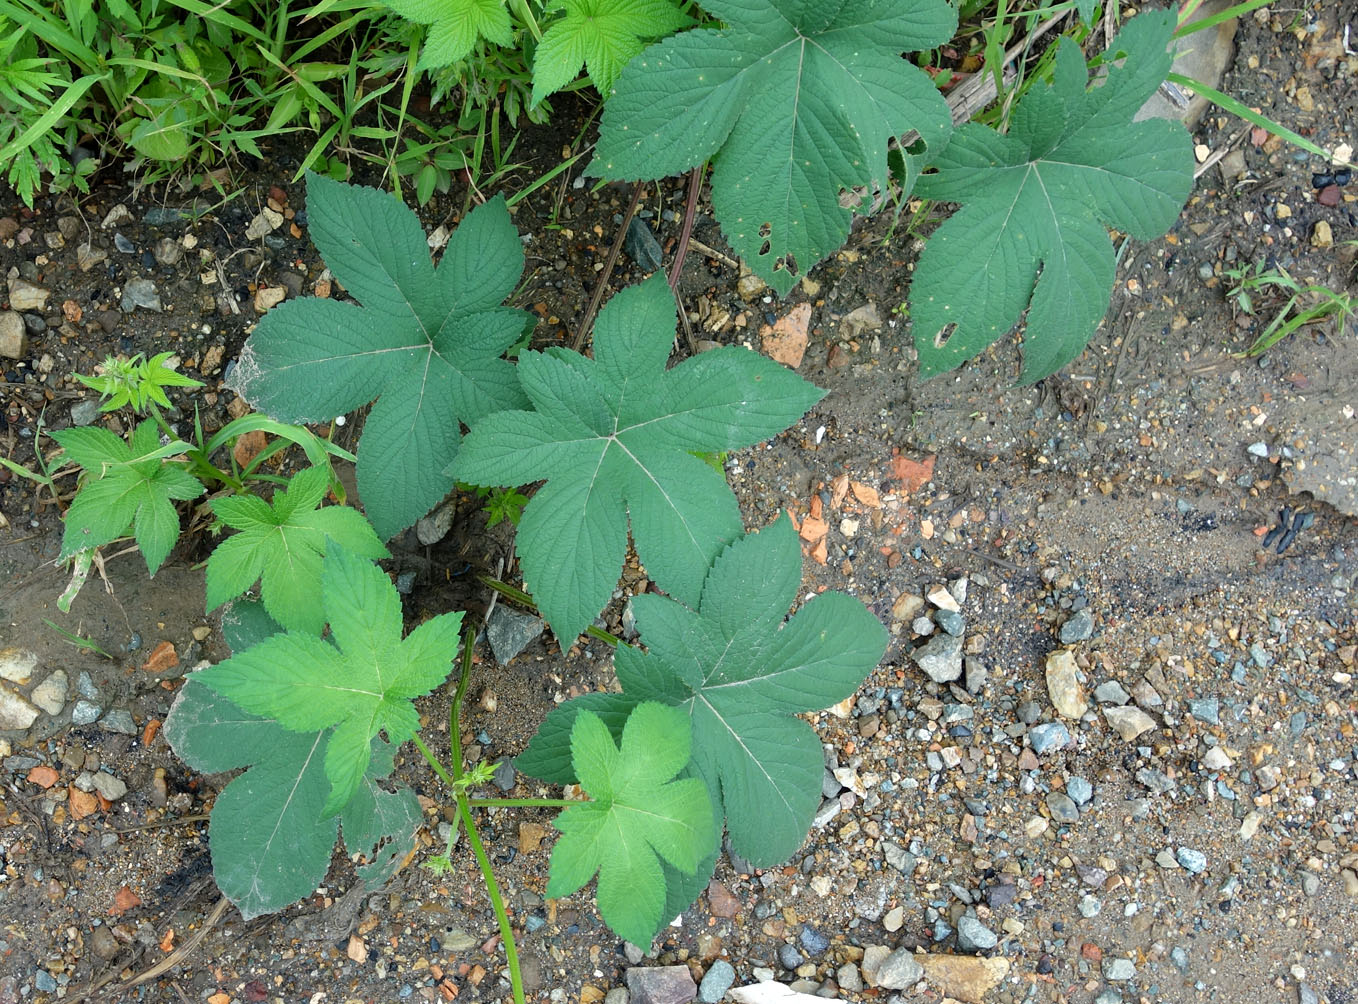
(588, 319)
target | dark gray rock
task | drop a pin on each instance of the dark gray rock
(1078, 628)
(660, 985)
(510, 632)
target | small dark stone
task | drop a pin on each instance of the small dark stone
(35, 324)
(1001, 894)
(660, 985)
(789, 958)
(1045, 965)
(813, 941)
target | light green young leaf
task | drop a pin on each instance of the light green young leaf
(636, 818)
(119, 493)
(741, 675)
(793, 101)
(362, 684)
(427, 343)
(602, 35)
(614, 436)
(281, 545)
(455, 25)
(1031, 235)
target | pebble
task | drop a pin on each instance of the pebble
(789, 957)
(813, 942)
(504, 775)
(1108, 996)
(167, 252)
(119, 720)
(1259, 449)
(618, 995)
(718, 979)
(1191, 860)
(660, 985)
(25, 295)
(1062, 807)
(510, 632)
(942, 598)
(922, 626)
(1048, 736)
(103, 943)
(85, 713)
(953, 623)
(123, 244)
(1205, 709)
(1080, 790)
(15, 712)
(140, 293)
(849, 978)
(84, 412)
(50, 695)
(974, 936)
(13, 335)
(1129, 722)
(1111, 692)
(1078, 628)
(898, 970)
(940, 658)
(1118, 970)
(1090, 906)
(1063, 684)
(109, 786)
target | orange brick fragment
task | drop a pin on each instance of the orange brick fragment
(913, 475)
(43, 777)
(866, 494)
(148, 734)
(123, 900)
(162, 657)
(249, 446)
(82, 803)
(814, 529)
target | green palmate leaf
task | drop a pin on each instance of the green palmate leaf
(1031, 235)
(742, 675)
(120, 492)
(281, 546)
(362, 684)
(270, 844)
(455, 25)
(602, 35)
(793, 101)
(426, 342)
(613, 436)
(637, 817)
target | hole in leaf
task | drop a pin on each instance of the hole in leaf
(765, 229)
(764, 249)
(788, 263)
(944, 333)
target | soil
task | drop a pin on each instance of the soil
(1125, 486)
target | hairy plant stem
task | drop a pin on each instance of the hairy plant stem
(456, 784)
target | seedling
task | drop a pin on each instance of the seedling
(1309, 303)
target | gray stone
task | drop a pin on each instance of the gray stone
(940, 658)
(429, 530)
(1205, 709)
(109, 786)
(873, 957)
(1156, 780)
(1108, 996)
(141, 293)
(660, 985)
(1062, 807)
(1118, 970)
(922, 626)
(50, 695)
(1090, 906)
(789, 957)
(953, 623)
(1078, 628)
(85, 713)
(1063, 684)
(813, 942)
(974, 936)
(1080, 790)
(25, 295)
(1048, 736)
(510, 632)
(13, 335)
(1305, 995)
(717, 980)
(1111, 692)
(1191, 860)
(898, 857)
(167, 251)
(87, 256)
(15, 712)
(1129, 722)
(898, 971)
(976, 674)
(120, 720)
(504, 775)
(618, 995)
(85, 684)
(17, 665)
(848, 978)
(84, 412)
